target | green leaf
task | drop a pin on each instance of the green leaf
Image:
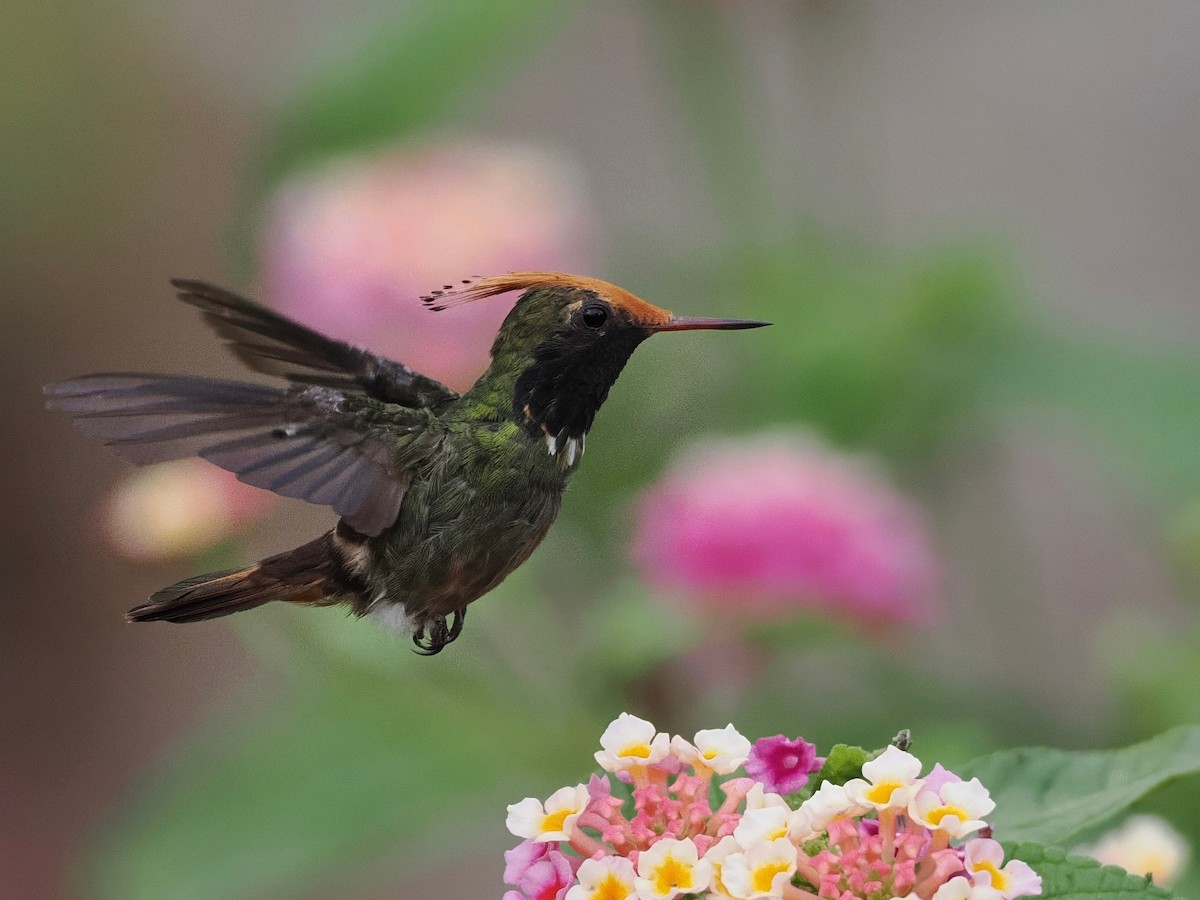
(843, 763)
(1052, 796)
(1080, 878)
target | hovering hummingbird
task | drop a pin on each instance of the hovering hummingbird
(441, 496)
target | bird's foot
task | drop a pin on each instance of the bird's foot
(440, 633)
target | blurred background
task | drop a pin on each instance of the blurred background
(955, 488)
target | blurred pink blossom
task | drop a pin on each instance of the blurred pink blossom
(766, 525)
(350, 247)
(178, 509)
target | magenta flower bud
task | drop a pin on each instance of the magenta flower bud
(782, 764)
(761, 527)
(351, 246)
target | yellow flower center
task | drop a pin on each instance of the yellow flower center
(554, 821)
(935, 816)
(764, 876)
(672, 874)
(641, 751)
(882, 792)
(776, 835)
(611, 888)
(710, 754)
(999, 879)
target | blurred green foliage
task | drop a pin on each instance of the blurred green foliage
(370, 749)
(412, 73)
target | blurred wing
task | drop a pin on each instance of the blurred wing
(350, 452)
(275, 345)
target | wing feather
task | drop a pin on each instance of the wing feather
(276, 345)
(347, 451)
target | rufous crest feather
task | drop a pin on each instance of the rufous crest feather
(482, 286)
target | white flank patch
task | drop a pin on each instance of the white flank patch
(552, 444)
(572, 451)
(391, 617)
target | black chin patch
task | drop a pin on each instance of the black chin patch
(567, 383)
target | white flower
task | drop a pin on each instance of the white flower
(828, 803)
(716, 856)
(629, 742)
(552, 822)
(1144, 845)
(959, 888)
(890, 780)
(762, 871)
(607, 878)
(763, 825)
(721, 749)
(984, 861)
(957, 808)
(671, 868)
(758, 797)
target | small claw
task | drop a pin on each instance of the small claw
(460, 616)
(423, 649)
(440, 634)
(439, 637)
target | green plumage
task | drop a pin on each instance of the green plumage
(440, 496)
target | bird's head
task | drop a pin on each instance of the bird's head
(565, 342)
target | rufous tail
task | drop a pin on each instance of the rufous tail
(304, 575)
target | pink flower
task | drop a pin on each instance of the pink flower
(939, 776)
(178, 509)
(862, 862)
(539, 871)
(350, 247)
(756, 845)
(781, 764)
(766, 525)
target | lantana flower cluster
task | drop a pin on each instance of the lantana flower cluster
(692, 826)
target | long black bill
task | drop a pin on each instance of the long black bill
(695, 323)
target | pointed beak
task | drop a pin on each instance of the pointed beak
(696, 323)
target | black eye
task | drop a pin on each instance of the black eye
(594, 316)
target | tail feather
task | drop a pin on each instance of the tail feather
(304, 575)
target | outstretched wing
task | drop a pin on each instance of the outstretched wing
(275, 345)
(349, 451)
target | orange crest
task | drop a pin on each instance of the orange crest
(478, 288)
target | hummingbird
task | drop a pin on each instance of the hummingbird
(440, 495)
